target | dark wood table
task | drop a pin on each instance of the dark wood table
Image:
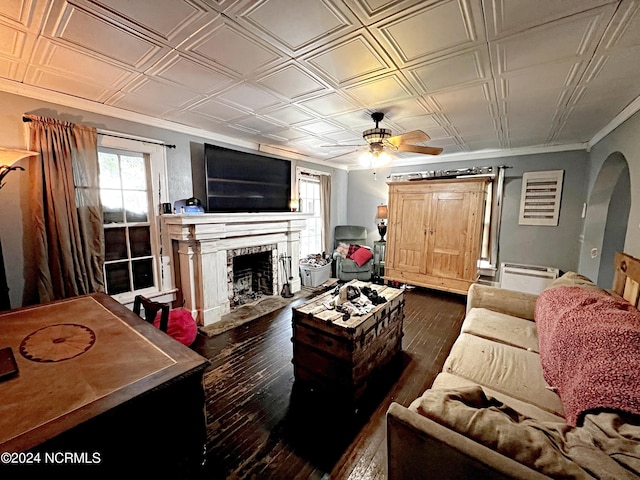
(97, 381)
(343, 357)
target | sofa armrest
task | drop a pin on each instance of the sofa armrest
(421, 448)
(501, 300)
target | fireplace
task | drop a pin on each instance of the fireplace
(251, 274)
(203, 245)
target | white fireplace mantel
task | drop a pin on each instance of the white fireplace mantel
(201, 255)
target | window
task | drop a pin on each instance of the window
(309, 192)
(124, 190)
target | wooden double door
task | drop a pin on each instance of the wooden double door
(435, 233)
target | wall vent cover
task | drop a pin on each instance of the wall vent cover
(540, 200)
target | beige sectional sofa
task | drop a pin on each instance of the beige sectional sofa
(491, 414)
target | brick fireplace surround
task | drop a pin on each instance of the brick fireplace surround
(201, 244)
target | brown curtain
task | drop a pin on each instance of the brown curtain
(325, 212)
(66, 210)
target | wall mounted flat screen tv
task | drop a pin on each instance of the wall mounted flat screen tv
(246, 182)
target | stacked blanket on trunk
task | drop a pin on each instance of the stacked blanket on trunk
(589, 350)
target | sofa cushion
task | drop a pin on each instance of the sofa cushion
(447, 381)
(502, 328)
(504, 368)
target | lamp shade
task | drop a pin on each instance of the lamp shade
(382, 212)
(8, 156)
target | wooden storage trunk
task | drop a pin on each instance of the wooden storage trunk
(343, 357)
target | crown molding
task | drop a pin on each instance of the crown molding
(618, 120)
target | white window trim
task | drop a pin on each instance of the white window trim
(160, 194)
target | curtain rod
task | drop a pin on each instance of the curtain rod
(26, 119)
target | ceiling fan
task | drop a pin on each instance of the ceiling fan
(379, 140)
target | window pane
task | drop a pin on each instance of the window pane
(118, 280)
(115, 244)
(112, 206)
(142, 273)
(134, 176)
(136, 206)
(140, 241)
(109, 170)
(124, 191)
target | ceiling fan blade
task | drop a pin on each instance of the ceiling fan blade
(419, 149)
(415, 136)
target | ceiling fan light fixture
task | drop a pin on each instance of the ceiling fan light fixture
(374, 158)
(366, 159)
(381, 159)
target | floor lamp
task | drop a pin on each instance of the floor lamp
(8, 156)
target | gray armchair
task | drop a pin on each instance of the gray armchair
(347, 269)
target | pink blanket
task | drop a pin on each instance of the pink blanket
(589, 350)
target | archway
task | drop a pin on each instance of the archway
(606, 221)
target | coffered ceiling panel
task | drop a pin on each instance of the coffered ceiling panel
(464, 98)
(451, 71)
(218, 110)
(225, 45)
(624, 30)
(299, 24)
(140, 104)
(289, 115)
(12, 70)
(319, 127)
(412, 107)
(330, 104)
(162, 92)
(506, 17)
(370, 11)
(574, 37)
(189, 73)
(248, 97)
(381, 90)
(23, 14)
(348, 60)
(150, 17)
(85, 30)
(70, 84)
(432, 30)
(257, 124)
(60, 58)
(12, 41)
(291, 82)
(305, 76)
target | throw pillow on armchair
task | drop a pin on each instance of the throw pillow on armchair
(361, 256)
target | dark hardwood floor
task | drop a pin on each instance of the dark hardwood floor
(260, 424)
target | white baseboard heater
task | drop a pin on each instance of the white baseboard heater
(526, 278)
